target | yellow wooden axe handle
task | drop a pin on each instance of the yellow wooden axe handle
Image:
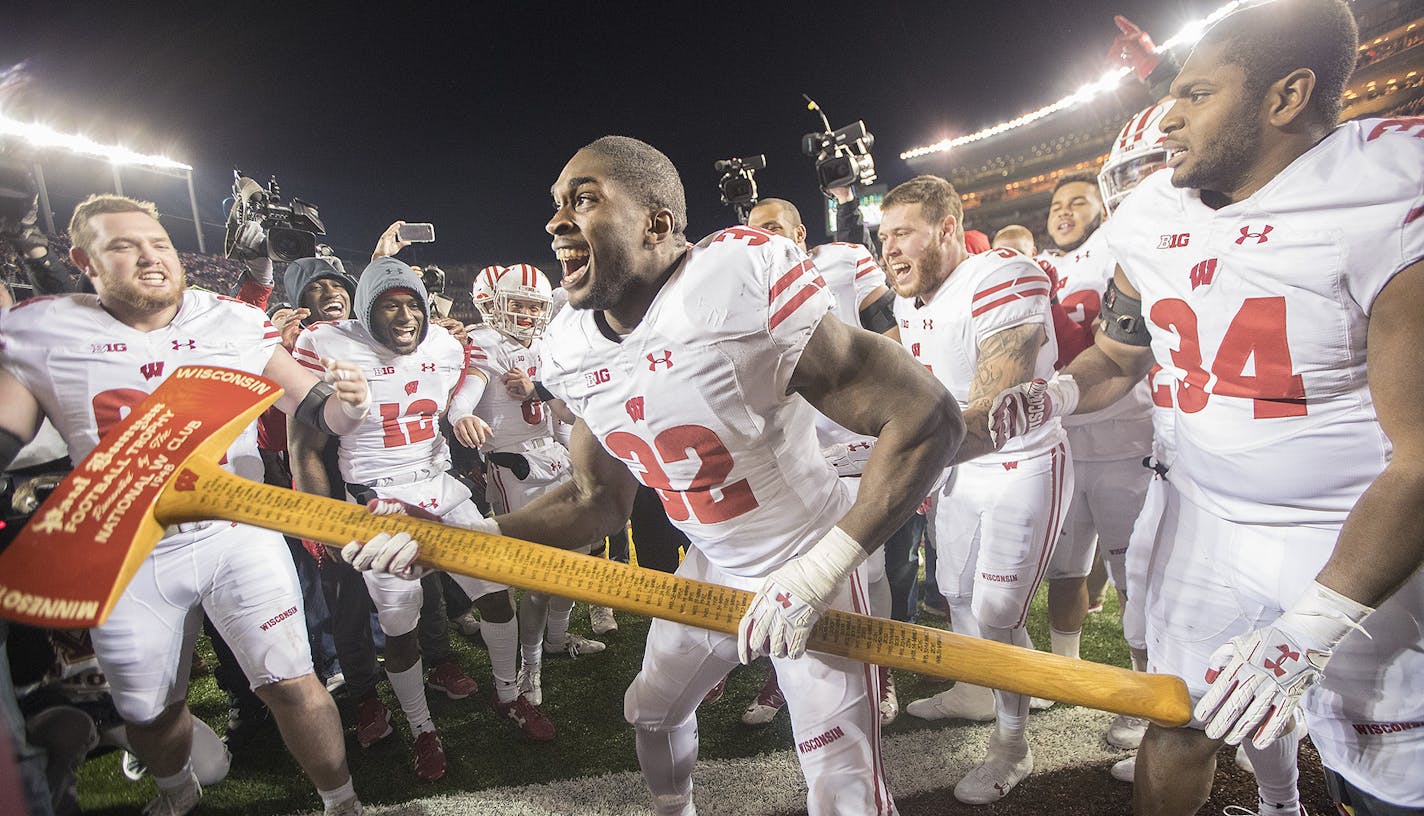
(159, 468)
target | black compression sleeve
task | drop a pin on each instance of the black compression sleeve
(879, 316)
(1122, 318)
(312, 409)
(10, 445)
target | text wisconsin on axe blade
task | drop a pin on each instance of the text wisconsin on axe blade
(251, 382)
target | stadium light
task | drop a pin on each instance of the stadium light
(47, 137)
(44, 136)
(1189, 34)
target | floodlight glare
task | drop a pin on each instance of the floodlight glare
(1108, 82)
(43, 136)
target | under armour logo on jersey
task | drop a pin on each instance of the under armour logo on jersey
(430, 504)
(929, 324)
(151, 370)
(1174, 241)
(184, 344)
(411, 387)
(784, 598)
(634, 407)
(1259, 236)
(666, 359)
(427, 366)
(1203, 272)
(1286, 654)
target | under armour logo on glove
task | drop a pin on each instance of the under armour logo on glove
(1257, 681)
(1286, 654)
(778, 623)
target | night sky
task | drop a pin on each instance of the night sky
(465, 117)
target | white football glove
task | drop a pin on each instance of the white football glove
(392, 554)
(1257, 679)
(792, 598)
(1027, 406)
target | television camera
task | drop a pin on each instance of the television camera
(842, 156)
(738, 182)
(260, 223)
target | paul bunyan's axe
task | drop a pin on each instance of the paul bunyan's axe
(159, 467)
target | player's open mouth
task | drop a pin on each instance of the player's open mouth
(403, 336)
(575, 262)
(900, 271)
(1063, 226)
(1176, 154)
(153, 279)
(333, 308)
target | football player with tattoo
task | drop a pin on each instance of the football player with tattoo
(977, 322)
(1276, 269)
(695, 370)
(84, 361)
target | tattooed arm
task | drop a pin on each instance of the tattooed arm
(1006, 359)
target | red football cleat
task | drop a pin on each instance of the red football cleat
(429, 756)
(528, 717)
(373, 721)
(447, 676)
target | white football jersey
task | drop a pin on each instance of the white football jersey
(515, 424)
(694, 400)
(986, 294)
(89, 370)
(851, 274)
(409, 392)
(1123, 429)
(1260, 310)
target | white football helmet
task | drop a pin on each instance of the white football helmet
(483, 290)
(523, 301)
(1137, 153)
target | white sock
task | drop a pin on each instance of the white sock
(502, 640)
(560, 609)
(533, 615)
(409, 686)
(1277, 774)
(183, 779)
(1010, 710)
(337, 796)
(1065, 643)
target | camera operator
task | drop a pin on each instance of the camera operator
(850, 221)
